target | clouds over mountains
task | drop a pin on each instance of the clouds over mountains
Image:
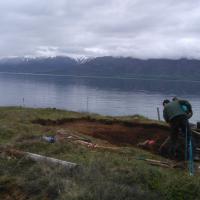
(137, 28)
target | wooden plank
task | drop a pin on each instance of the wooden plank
(39, 158)
(54, 161)
(196, 132)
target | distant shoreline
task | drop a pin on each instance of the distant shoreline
(102, 77)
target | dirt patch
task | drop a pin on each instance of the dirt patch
(119, 134)
(114, 131)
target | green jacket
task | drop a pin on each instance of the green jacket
(171, 110)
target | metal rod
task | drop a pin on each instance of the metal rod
(87, 103)
(158, 112)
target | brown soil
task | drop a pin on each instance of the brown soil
(113, 131)
(120, 134)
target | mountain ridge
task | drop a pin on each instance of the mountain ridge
(105, 66)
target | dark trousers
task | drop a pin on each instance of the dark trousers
(180, 127)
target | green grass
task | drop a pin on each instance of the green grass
(103, 175)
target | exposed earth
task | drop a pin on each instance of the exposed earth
(117, 133)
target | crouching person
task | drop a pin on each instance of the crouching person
(176, 114)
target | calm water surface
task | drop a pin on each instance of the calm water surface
(104, 96)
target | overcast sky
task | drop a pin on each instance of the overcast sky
(137, 28)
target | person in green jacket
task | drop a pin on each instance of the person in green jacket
(176, 113)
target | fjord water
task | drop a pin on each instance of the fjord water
(108, 96)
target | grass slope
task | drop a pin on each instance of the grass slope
(104, 174)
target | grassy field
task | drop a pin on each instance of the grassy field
(103, 175)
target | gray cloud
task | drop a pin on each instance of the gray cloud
(137, 28)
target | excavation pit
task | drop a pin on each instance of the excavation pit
(120, 133)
